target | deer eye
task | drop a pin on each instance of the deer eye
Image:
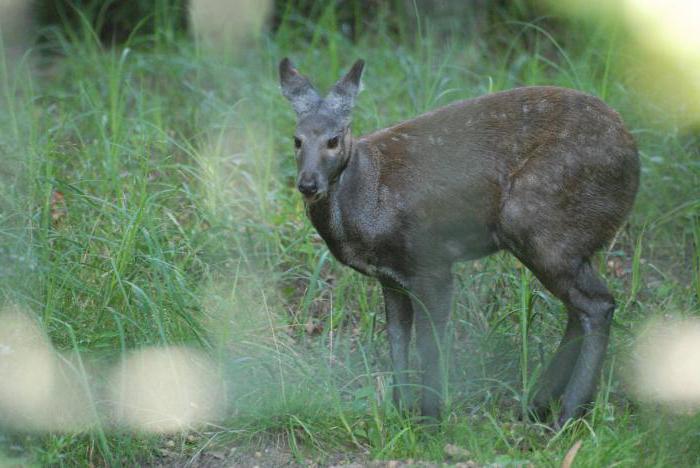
(297, 143)
(333, 143)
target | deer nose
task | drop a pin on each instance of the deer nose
(308, 187)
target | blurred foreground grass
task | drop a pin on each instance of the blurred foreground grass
(147, 199)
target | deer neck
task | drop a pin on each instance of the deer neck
(347, 199)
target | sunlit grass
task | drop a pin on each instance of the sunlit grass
(148, 200)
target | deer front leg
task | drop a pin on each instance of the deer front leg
(399, 318)
(432, 301)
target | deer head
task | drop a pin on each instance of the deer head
(322, 138)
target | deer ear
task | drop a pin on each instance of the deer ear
(342, 95)
(297, 88)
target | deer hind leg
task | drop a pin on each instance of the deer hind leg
(553, 219)
(574, 371)
(593, 304)
(558, 373)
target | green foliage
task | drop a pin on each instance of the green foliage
(148, 199)
(114, 21)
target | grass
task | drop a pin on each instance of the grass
(148, 200)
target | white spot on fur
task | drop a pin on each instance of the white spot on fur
(454, 248)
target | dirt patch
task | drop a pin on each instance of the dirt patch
(282, 457)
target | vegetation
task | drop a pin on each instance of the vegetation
(148, 199)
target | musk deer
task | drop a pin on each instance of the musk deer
(547, 173)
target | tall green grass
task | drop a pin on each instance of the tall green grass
(148, 199)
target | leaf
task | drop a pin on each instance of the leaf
(57, 206)
(571, 454)
(616, 267)
(455, 452)
(314, 327)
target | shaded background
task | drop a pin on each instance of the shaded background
(151, 234)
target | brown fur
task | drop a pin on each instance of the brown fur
(546, 173)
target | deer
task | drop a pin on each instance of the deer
(548, 174)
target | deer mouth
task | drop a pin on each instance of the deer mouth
(316, 197)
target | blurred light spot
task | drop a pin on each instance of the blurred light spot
(15, 27)
(668, 26)
(666, 43)
(226, 25)
(666, 365)
(661, 49)
(39, 390)
(166, 390)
